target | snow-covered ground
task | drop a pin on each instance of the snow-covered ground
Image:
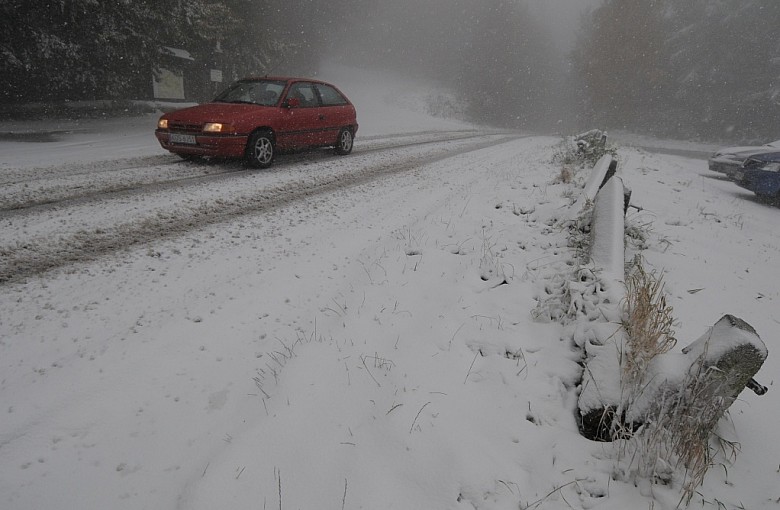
(369, 347)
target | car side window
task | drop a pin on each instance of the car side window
(263, 94)
(330, 96)
(303, 92)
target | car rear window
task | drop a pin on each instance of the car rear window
(330, 96)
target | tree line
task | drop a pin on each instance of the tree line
(92, 49)
(707, 68)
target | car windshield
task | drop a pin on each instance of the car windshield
(259, 92)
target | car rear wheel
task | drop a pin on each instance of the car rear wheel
(260, 150)
(344, 142)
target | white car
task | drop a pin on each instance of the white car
(728, 159)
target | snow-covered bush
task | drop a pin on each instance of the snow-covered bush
(584, 150)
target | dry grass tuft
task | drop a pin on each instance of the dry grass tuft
(679, 437)
(648, 321)
(678, 429)
(565, 176)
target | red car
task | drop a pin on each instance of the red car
(255, 117)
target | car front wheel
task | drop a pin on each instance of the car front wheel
(344, 142)
(260, 150)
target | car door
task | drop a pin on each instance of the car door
(336, 111)
(303, 125)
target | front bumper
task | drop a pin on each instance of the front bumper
(724, 166)
(228, 146)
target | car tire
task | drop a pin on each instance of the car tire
(344, 142)
(261, 149)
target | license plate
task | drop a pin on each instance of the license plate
(179, 138)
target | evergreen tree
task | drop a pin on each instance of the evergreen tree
(727, 69)
(699, 68)
(92, 49)
(623, 61)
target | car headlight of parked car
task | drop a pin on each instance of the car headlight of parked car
(162, 124)
(772, 167)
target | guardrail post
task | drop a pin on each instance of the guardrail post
(688, 390)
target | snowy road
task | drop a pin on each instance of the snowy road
(26, 187)
(66, 215)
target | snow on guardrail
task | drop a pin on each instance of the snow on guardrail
(606, 164)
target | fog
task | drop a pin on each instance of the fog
(696, 69)
(561, 18)
(428, 34)
(460, 45)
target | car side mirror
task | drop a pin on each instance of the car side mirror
(292, 102)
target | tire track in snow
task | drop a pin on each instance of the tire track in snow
(20, 196)
(28, 258)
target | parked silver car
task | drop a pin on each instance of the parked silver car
(728, 159)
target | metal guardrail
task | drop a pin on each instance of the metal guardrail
(719, 365)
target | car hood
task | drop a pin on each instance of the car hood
(767, 157)
(747, 151)
(218, 112)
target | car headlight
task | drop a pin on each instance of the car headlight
(217, 127)
(162, 124)
(772, 167)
